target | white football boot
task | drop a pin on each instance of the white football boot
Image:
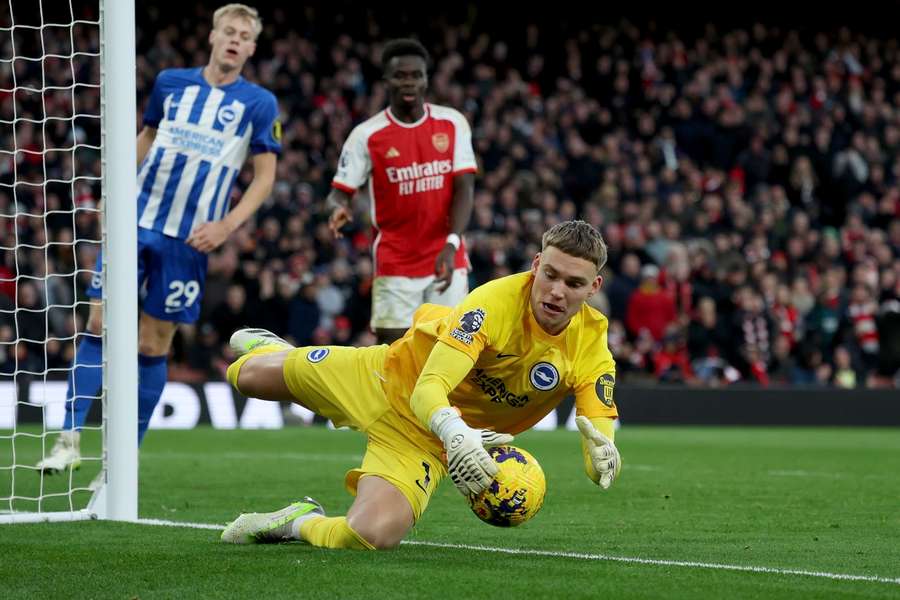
(273, 527)
(66, 453)
(244, 340)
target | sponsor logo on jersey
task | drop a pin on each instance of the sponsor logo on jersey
(441, 142)
(496, 390)
(604, 387)
(469, 323)
(420, 177)
(392, 153)
(544, 376)
(317, 355)
(419, 170)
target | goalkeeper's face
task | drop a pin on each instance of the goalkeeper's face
(562, 283)
(233, 41)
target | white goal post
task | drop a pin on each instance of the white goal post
(24, 497)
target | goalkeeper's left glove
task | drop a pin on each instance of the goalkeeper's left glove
(603, 452)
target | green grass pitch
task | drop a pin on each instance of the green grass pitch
(787, 499)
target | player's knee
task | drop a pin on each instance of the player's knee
(384, 532)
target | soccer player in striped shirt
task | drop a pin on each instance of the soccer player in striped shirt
(199, 126)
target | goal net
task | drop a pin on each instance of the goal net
(55, 163)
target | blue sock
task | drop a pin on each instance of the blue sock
(84, 381)
(152, 374)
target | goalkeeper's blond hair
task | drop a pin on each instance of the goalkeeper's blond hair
(577, 238)
(239, 10)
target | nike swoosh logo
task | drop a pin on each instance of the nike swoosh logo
(501, 355)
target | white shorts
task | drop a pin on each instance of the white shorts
(395, 299)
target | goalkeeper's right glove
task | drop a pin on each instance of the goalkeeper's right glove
(471, 467)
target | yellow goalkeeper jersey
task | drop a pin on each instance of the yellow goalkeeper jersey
(521, 372)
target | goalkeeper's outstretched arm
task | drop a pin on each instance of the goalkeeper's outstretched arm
(602, 461)
(470, 466)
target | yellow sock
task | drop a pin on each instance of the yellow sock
(332, 532)
(234, 369)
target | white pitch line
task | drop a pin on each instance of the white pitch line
(585, 556)
(799, 473)
(185, 524)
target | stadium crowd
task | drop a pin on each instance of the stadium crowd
(746, 180)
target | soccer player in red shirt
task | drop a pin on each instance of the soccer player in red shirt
(418, 162)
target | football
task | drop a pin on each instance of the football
(517, 492)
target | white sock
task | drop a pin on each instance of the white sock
(296, 523)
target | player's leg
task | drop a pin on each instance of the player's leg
(392, 487)
(174, 274)
(84, 383)
(154, 340)
(394, 300)
(379, 519)
(381, 514)
(397, 477)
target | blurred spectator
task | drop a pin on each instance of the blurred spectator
(774, 176)
(621, 286)
(650, 308)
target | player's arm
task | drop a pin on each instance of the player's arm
(209, 236)
(145, 140)
(460, 213)
(338, 201)
(353, 170)
(470, 466)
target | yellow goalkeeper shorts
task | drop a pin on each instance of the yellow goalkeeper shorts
(344, 384)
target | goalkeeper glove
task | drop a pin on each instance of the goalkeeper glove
(604, 455)
(470, 466)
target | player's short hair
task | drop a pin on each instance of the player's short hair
(403, 47)
(238, 10)
(579, 239)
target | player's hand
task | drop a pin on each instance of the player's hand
(604, 454)
(209, 236)
(470, 466)
(443, 268)
(339, 217)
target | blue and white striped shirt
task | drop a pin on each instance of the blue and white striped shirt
(203, 136)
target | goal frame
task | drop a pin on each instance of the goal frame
(117, 497)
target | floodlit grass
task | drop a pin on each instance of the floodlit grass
(823, 500)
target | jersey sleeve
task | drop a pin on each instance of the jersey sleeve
(355, 163)
(474, 324)
(266, 127)
(153, 113)
(595, 386)
(463, 153)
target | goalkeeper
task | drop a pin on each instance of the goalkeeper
(459, 380)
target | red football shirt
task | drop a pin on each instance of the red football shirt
(409, 168)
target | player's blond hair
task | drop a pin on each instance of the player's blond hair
(579, 239)
(238, 10)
